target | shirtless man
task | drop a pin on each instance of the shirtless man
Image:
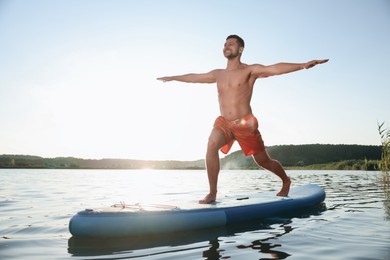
(235, 88)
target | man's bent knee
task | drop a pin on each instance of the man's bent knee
(262, 159)
(216, 140)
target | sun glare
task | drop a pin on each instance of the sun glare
(148, 187)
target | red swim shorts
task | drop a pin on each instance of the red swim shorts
(244, 130)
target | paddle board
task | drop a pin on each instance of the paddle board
(140, 219)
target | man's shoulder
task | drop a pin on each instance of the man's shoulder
(216, 72)
(251, 67)
(256, 65)
(256, 68)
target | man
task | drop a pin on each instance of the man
(236, 122)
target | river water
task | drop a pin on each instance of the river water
(36, 206)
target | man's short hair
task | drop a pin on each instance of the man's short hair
(241, 42)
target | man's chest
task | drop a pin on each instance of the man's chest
(233, 81)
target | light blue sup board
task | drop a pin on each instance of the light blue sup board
(139, 219)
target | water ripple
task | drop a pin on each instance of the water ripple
(37, 205)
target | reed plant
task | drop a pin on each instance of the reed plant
(385, 159)
(385, 166)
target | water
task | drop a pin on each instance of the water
(36, 206)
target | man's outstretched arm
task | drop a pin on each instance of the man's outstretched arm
(283, 68)
(192, 78)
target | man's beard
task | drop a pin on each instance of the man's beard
(231, 55)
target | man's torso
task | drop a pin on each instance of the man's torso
(235, 89)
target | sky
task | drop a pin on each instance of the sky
(78, 78)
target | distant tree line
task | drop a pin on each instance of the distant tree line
(27, 161)
(314, 156)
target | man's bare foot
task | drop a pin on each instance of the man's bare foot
(285, 189)
(210, 198)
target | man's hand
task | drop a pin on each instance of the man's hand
(165, 79)
(312, 63)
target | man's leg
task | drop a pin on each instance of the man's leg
(216, 141)
(262, 159)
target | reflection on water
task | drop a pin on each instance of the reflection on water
(261, 245)
(386, 204)
(36, 205)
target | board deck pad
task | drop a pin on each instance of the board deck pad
(226, 201)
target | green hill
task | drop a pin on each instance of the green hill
(303, 156)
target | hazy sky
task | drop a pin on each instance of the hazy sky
(78, 78)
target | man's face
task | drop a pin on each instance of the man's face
(231, 48)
